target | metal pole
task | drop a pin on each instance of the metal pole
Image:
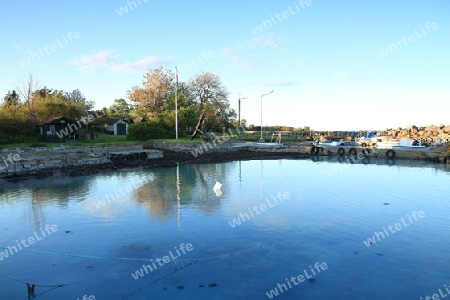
(176, 104)
(239, 112)
(261, 138)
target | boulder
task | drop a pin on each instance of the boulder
(432, 128)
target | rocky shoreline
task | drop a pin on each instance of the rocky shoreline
(80, 161)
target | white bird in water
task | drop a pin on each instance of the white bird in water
(217, 190)
(217, 186)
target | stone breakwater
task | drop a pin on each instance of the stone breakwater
(33, 159)
(429, 134)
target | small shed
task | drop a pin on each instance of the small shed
(117, 126)
(59, 129)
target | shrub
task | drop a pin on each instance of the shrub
(146, 131)
(16, 138)
(36, 145)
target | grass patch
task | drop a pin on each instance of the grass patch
(103, 140)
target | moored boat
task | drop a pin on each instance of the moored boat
(409, 144)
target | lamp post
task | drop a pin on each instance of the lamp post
(176, 103)
(261, 140)
(239, 110)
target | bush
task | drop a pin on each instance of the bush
(36, 145)
(146, 131)
(15, 139)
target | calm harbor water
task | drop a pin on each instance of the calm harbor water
(217, 245)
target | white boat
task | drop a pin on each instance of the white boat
(409, 144)
(387, 144)
(368, 140)
(330, 143)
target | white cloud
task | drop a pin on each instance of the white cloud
(298, 61)
(272, 40)
(281, 82)
(362, 77)
(141, 65)
(103, 58)
(242, 53)
(109, 59)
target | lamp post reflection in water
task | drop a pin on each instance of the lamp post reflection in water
(240, 174)
(261, 180)
(178, 196)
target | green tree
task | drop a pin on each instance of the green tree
(78, 100)
(211, 97)
(12, 99)
(121, 109)
(186, 110)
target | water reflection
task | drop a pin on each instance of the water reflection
(166, 197)
(382, 161)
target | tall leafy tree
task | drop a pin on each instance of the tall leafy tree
(152, 96)
(78, 100)
(212, 101)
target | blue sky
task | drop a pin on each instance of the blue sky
(323, 59)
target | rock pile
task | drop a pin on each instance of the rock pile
(429, 133)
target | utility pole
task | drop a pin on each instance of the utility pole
(239, 110)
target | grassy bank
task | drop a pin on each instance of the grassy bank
(103, 140)
(107, 139)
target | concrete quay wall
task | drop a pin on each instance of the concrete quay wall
(22, 160)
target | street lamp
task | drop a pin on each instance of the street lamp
(261, 140)
(239, 110)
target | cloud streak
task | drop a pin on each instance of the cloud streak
(242, 53)
(109, 59)
(272, 83)
(362, 77)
